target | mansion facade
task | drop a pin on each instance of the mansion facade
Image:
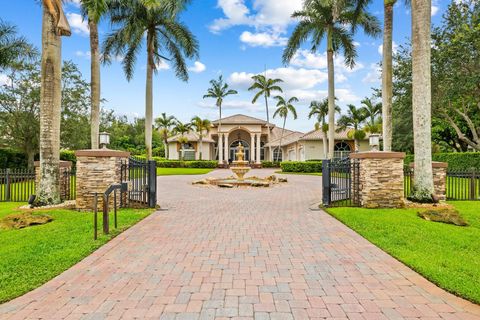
(258, 138)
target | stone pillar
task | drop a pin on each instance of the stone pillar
(226, 149)
(258, 148)
(380, 179)
(65, 167)
(252, 148)
(96, 171)
(439, 170)
(220, 148)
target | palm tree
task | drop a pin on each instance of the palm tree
(320, 110)
(218, 90)
(201, 126)
(353, 119)
(94, 10)
(164, 123)
(284, 107)
(421, 97)
(181, 129)
(372, 111)
(264, 87)
(165, 37)
(54, 25)
(12, 46)
(330, 19)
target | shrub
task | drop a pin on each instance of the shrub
(455, 160)
(68, 155)
(12, 159)
(270, 164)
(300, 166)
(187, 164)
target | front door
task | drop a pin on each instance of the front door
(233, 150)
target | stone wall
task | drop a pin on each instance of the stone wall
(96, 171)
(439, 170)
(65, 166)
(381, 179)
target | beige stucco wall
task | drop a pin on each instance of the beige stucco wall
(172, 151)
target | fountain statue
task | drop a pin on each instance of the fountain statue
(240, 166)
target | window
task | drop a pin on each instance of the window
(341, 150)
(187, 146)
(277, 154)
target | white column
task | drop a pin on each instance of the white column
(252, 148)
(220, 148)
(258, 149)
(227, 148)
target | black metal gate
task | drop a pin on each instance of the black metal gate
(141, 177)
(341, 182)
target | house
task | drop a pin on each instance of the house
(258, 138)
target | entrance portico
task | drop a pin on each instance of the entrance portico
(228, 141)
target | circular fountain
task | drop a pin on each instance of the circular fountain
(240, 168)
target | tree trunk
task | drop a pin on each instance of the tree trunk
(149, 101)
(219, 130)
(48, 191)
(357, 144)
(94, 84)
(325, 141)
(331, 101)
(281, 138)
(165, 142)
(387, 71)
(421, 93)
(201, 147)
(270, 155)
(30, 157)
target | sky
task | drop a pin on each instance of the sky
(238, 38)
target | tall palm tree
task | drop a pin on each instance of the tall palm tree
(182, 129)
(284, 108)
(93, 10)
(13, 46)
(164, 36)
(320, 110)
(54, 26)
(164, 123)
(201, 126)
(354, 118)
(336, 21)
(372, 111)
(264, 87)
(218, 90)
(387, 73)
(421, 97)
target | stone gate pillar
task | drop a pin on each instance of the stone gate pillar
(381, 179)
(96, 171)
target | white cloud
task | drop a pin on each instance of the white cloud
(308, 59)
(198, 67)
(76, 3)
(374, 74)
(78, 24)
(394, 48)
(435, 7)
(263, 39)
(233, 105)
(5, 80)
(83, 54)
(162, 65)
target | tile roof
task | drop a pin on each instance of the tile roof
(318, 135)
(191, 136)
(288, 138)
(240, 119)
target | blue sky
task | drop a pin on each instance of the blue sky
(238, 38)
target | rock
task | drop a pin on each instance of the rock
(23, 220)
(200, 182)
(260, 184)
(272, 178)
(226, 185)
(450, 216)
(282, 180)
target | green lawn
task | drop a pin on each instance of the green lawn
(182, 171)
(445, 254)
(34, 255)
(301, 173)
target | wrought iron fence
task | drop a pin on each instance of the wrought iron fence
(341, 182)
(68, 180)
(141, 176)
(16, 184)
(460, 185)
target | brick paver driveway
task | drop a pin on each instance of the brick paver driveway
(239, 253)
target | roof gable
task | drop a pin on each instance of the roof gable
(240, 119)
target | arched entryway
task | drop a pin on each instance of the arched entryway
(342, 150)
(233, 150)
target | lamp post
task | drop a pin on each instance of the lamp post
(374, 141)
(104, 138)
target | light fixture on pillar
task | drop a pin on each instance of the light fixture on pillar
(104, 138)
(374, 142)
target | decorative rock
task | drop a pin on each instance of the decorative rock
(282, 180)
(23, 220)
(260, 184)
(200, 182)
(272, 178)
(225, 185)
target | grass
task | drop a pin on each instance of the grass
(445, 254)
(34, 255)
(182, 171)
(301, 173)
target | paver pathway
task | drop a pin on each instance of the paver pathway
(239, 253)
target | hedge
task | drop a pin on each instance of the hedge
(300, 166)
(187, 164)
(12, 159)
(270, 164)
(455, 160)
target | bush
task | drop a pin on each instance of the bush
(187, 164)
(300, 166)
(68, 155)
(12, 159)
(455, 160)
(270, 164)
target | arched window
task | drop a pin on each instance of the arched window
(277, 154)
(187, 146)
(341, 150)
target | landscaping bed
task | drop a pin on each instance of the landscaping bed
(446, 254)
(33, 255)
(182, 171)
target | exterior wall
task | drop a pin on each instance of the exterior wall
(173, 151)
(314, 150)
(364, 146)
(380, 179)
(206, 154)
(96, 171)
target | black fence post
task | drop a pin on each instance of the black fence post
(473, 185)
(152, 183)
(7, 185)
(326, 200)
